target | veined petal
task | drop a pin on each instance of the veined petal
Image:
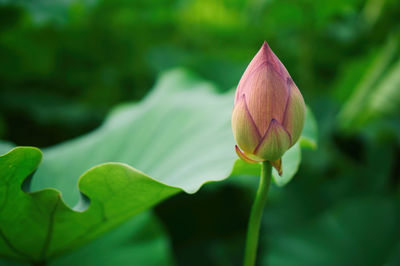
(271, 58)
(274, 143)
(245, 131)
(295, 111)
(258, 60)
(267, 93)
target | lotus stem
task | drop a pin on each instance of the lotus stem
(253, 229)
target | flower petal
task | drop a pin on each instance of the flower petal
(264, 84)
(243, 156)
(266, 94)
(277, 164)
(258, 60)
(244, 129)
(274, 143)
(295, 112)
(271, 58)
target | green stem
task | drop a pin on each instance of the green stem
(256, 214)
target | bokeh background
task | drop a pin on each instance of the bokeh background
(64, 64)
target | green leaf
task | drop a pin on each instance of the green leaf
(38, 226)
(377, 92)
(180, 134)
(5, 146)
(140, 241)
(360, 232)
(309, 135)
(179, 137)
(386, 98)
(167, 135)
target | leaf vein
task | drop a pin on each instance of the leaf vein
(50, 229)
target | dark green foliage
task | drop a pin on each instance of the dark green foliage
(65, 64)
(36, 224)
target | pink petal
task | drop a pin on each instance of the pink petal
(245, 131)
(274, 143)
(266, 94)
(295, 112)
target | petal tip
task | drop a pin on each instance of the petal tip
(277, 164)
(265, 45)
(243, 156)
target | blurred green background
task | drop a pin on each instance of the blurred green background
(64, 64)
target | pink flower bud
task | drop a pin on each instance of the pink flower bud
(269, 111)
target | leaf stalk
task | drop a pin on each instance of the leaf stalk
(253, 228)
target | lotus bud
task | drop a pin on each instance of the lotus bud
(269, 110)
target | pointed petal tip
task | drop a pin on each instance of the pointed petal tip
(271, 60)
(243, 156)
(277, 164)
(276, 123)
(266, 49)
